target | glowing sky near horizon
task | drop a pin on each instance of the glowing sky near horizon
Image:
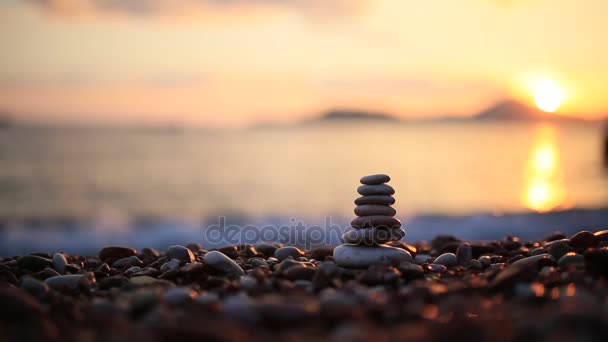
(234, 62)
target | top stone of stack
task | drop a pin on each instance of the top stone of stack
(375, 179)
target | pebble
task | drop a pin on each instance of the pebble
(375, 179)
(266, 249)
(33, 262)
(596, 261)
(375, 221)
(557, 249)
(181, 253)
(372, 236)
(374, 209)
(380, 189)
(582, 240)
(170, 265)
(437, 268)
(485, 260)
(248, 282)
(179, 295)
(59, 263)
(446, 259)
(355, 256)
(321, 252)
(410, 269)
(464, 254)
(536, 260)
(127, 262)
(375, 199)
(116, 252)
(571, 258)
(475, 265)
(34, 286)
(422, 258)
(288, 251)
(71, 282)
(299, 272)
(220, 262)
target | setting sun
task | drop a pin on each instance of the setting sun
(548, 95)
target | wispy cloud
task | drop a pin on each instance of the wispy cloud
(171, 8)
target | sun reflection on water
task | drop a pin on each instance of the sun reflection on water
(544, 189)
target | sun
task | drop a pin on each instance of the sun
(548, 95)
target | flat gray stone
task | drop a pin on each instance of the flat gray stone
(355, 256)
(375, 221)
(375, 179)
(375, 199)
(374, 209)
(219, 261)
(373, 236)
(380, 189)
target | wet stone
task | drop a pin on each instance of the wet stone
(380, 189)
(375, 179)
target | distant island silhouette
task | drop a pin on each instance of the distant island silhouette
(508, 110)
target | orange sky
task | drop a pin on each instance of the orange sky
(234, 62)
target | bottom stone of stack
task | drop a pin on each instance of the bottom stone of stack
(373, 236)
(359, 256)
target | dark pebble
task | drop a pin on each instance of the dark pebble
(464, 254)
(375, 221)
(375, 179)
(288, 251)
(374, 209)
(582, 240)
(381, 189)
(33, 262)
(375, 199)
(320, 253)
(181, 253)
(116, 252)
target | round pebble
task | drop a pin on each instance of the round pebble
(288, 251)
(375, 221)
(374, 209)
(59, 262)
(375, 199)
(375, 179)
(380, 189)
(355, 256)
(373, 236)
(219, 261)
(446, 259)
(116, 252)
(181, 253)
(464, 254)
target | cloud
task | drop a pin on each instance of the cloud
(172, 8)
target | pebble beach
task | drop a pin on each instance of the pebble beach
(554, 289)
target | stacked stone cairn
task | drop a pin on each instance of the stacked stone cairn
(374, 226)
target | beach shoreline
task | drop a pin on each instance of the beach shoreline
(553, 288)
